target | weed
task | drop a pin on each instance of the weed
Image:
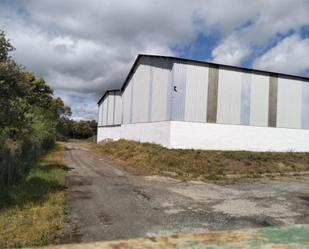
(151, 158)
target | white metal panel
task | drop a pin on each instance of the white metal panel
(118, 109)
(100, 114)
(110, 111)
(259, 100)
(289, 103)
(140, 103)
(245, 98)
(196, 93)
(126, 103)
(229, 92)
(305, 105)
(104, 115)
(159, 90)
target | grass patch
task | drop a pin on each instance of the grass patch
(32, 212)
(149, 158)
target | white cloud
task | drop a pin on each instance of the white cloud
(291, 55)
(259, 23)
(230, 51)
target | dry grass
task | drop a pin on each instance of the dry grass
(149, 158)
(32, 212)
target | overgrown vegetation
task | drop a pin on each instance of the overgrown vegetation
(71, 129)
(32, 212)
(200, 164)
(29, 116)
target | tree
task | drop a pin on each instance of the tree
(29, 116)
(5, 47)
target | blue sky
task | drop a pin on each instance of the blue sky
(83, 47)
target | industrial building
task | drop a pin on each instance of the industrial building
(181, 103)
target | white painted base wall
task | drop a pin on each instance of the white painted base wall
(192, 135)
(157, 132)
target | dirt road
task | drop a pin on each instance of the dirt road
(108, 203)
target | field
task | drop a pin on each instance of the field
(146, 158)
(32, 213)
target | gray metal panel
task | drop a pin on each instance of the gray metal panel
(245, 98)
(169, 89)
(131, 100)
(160, 90)
(140, 104)
(305, 106)
(212, 98)
(179, 91)
(126, 103)
(196, 93)
(151, 97)
(272, 101)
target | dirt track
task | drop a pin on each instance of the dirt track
(108, 203)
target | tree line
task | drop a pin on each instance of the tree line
(69, 128)
(31, 117)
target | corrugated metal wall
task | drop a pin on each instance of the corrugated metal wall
(289, 103)
(259, 100)
(179, 75)
(118, 109)
(164, 89)
(126, 103)
(110, 109)
(146, 97)
(160, 89)
(100, 119)
(196, 93)
(105, 107)
(229, 96)
(141, 87)
(305, 105)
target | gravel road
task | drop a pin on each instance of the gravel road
(107, 202)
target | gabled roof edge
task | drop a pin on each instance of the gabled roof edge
(105, 93)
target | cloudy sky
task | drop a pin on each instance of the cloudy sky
(83, 47)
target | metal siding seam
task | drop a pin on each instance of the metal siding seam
(131, 100)
(212, 98)
(272, 104)
(305, 106)
(245, 98)
(150, 91)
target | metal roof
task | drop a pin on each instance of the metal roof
(251, 70)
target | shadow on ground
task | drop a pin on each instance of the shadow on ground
(33, 189)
